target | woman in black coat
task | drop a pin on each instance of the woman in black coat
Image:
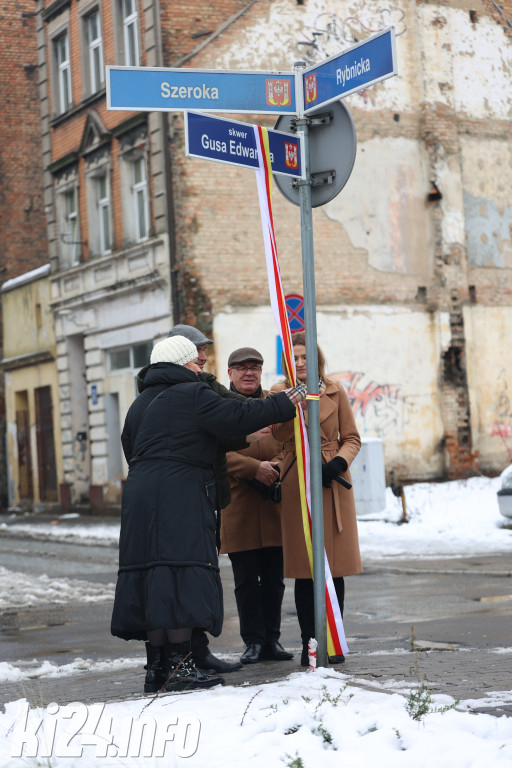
(168, 579)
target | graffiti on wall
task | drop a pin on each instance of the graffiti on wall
(502, 425)
(383, 408)
(331, 34)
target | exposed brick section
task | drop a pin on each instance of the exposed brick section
(454, 389)
(502, 14)
(186, 24)
(440, 133)
(65, 133)
(22, 218)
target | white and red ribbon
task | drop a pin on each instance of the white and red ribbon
(336, 641)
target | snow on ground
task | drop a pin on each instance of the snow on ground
(450, 519)
(34, 670)
(88, 533)
(308, 719)
(18, 590)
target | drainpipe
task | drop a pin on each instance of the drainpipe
(171, 229)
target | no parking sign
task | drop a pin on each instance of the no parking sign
(295, 312)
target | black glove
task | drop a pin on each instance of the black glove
(271, 492)
(332, 469)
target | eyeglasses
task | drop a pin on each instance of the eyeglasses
(247, 369)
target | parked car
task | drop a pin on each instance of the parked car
(505, 492)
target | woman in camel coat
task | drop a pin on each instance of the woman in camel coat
(340, 444)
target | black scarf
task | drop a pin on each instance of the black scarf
(255, 395)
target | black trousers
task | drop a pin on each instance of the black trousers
(259, 590)
(305, 604)
(199, 645)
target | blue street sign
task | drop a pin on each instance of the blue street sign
(167, 90)
(358, 67)
(279, 355)
(233, 142)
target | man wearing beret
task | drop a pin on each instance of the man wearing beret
(251, 527)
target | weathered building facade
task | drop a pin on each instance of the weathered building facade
(413, 258)
(108, 212)
(32, 393)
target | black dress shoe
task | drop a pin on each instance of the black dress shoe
(276, 652)
(252, 654)
(210, 665)
(337, 659)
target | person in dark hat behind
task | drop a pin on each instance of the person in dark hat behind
(204, 659)
(251, 526)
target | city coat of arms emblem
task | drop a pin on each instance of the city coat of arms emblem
(310, 85)
(291, 157)
(278, 92)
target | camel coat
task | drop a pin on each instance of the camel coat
(250, 521)
(339, 437)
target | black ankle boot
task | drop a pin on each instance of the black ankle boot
(155, 677)
(181, 674)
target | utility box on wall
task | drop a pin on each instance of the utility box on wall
(369, 478)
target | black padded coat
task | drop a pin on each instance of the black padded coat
(225, 444)
(168, 568)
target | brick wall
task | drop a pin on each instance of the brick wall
(501, 12)
(186, 25)
(22, 218)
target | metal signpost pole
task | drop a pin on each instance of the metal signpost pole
(308, 278)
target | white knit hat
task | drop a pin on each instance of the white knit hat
(176, 349)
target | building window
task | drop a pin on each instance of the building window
(140, 198)
(63, 66)
(69, 241)
(98, 190)
(103, 211)
(119, 359)
(94, 51)
(130, 32)
(131, 358)
(134, 193)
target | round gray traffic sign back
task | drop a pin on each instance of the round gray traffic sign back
(332, 147)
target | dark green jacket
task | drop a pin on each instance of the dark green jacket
(225, 443)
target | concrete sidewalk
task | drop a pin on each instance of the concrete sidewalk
(463, 675)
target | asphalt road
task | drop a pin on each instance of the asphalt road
(446, 621)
